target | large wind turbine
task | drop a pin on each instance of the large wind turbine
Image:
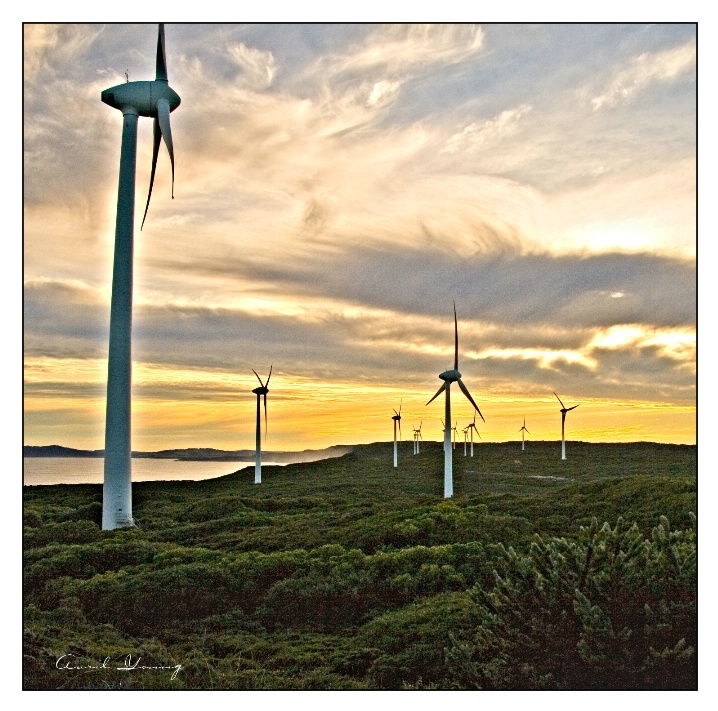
(263, 389)
(452, 376)
(473, 429)
(397, 420)
(154, 99)
(524, 431)
(564, 410)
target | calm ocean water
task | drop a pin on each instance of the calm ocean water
(80, 470)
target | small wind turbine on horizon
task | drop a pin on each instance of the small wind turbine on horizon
(153, 99)
(451, 376)
(523, 431)
(473, 429)
(466, 437)
(397, 420)
(454, 429)
(262, 390)
(417, 437)
(564, 410)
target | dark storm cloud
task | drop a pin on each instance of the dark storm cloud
(507, 287)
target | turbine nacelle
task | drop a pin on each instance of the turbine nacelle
(261, 391)
(450, 376)
(144, 96)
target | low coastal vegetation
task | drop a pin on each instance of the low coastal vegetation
(349, 574)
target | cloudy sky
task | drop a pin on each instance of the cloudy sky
(337, 189)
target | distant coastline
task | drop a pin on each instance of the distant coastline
(194, 454)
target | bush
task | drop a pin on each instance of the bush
(610, 610)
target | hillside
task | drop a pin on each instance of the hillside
(194, 454)
(349, 574)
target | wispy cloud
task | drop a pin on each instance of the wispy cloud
(258, 67)
(646, 69)
(475, 135)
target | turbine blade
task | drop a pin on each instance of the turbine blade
(395, 412)
(439, 391)
(400, 430)
(559, 399)
(157, 132)
(258, 378)
(572, 408)
(466, 392)
(527, 432)
(161, 70)
(163, 114)
(456, 340)
(266, 385)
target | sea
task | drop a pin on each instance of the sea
(89, 470)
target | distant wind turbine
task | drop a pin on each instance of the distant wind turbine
(466, 438)
(417, 437)
(262, 390)
(451, 376)
(154, 99)
(524, 431)
(473, 429)
(397, 420)
(564, 410)
(453, 429)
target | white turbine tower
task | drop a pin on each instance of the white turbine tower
(451, 376)
(564, 410)
(154, 99)
(472, 428)
(262, 390)
(397, 420)
(524, 431)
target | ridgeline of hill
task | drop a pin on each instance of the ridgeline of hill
(348, 573)
(194, 454)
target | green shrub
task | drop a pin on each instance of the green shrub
(610, 610)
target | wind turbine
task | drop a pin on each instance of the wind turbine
(417, 437)
(153, 99)
(523, 430)
(473, 429)
(564, 410)
(466, 437)
(454, 429)
(451, 376)
(397, 419)
(263, 389)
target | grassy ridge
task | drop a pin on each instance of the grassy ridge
(348, 573)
